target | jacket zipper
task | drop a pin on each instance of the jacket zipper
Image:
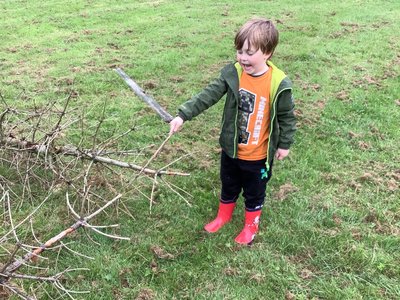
(236, 139)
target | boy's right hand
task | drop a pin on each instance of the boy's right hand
(175, 125)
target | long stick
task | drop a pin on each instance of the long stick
(86, 154)
(146, 98)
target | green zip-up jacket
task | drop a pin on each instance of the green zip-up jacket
(282, 119)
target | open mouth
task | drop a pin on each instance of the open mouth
(246, 66)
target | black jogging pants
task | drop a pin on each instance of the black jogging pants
(239, 175)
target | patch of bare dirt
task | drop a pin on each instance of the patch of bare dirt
(150, 84)
(367, 177)
(177, 79)
(393, 185)
(12, 49)
(4, 294)
(380, 224)
(146, 294)
(154, 267)
(321, 104)
(354, 135)
(65, 81)
(364, 145)
(231, 271)
(302, 257)
(380, 25)
(298, 112)
(372, 217)
(347, 28)
(113, 46)
(356, 234)
(257, 277)
(383, 178)
(308, 114)
(117, 293)
(367, 81)
(123, 274)
(87, 32)
(357, 183)
(389, 73)
(359, 68)
(306, 274)
(289, 296)
(161, 253)
(336, 219)
(342, 95)
(349, 24)
(312, 87)
(284, 191)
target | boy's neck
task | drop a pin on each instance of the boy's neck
(258, 74)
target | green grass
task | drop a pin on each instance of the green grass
(331, 227)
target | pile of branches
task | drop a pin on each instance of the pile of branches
(38, 165)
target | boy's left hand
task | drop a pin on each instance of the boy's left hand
(281, 153)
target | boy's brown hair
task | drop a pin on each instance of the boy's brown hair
(260, 33)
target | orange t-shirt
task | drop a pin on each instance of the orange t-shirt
(254, 114)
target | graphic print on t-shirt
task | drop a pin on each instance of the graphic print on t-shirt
(253, 116)
(246, 108)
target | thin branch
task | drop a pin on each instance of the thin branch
(155, 184)
(86, 188)
(184, 199)
(154, 156)
(41, 115)
(71, 209)
(111, 140)
(16, 291)
(2, 117)
(56, 127)
(75, 252)
(90, 238)
(59, 285)
(169, 184)
(105, 226)
(110, 235)
(42, 278)
(102, 208)
(10, 217)
(173, 162)
(30, 277)
(11, 258)
(24, 220)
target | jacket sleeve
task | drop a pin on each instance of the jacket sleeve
(286, 119)
(206, 98)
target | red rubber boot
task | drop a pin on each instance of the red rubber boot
(224, 215)
(246, 236)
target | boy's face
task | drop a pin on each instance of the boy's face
(252, 61)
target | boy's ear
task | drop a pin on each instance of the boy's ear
(267, 55)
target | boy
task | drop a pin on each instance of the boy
(258, 123)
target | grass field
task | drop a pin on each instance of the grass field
(331, 225)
